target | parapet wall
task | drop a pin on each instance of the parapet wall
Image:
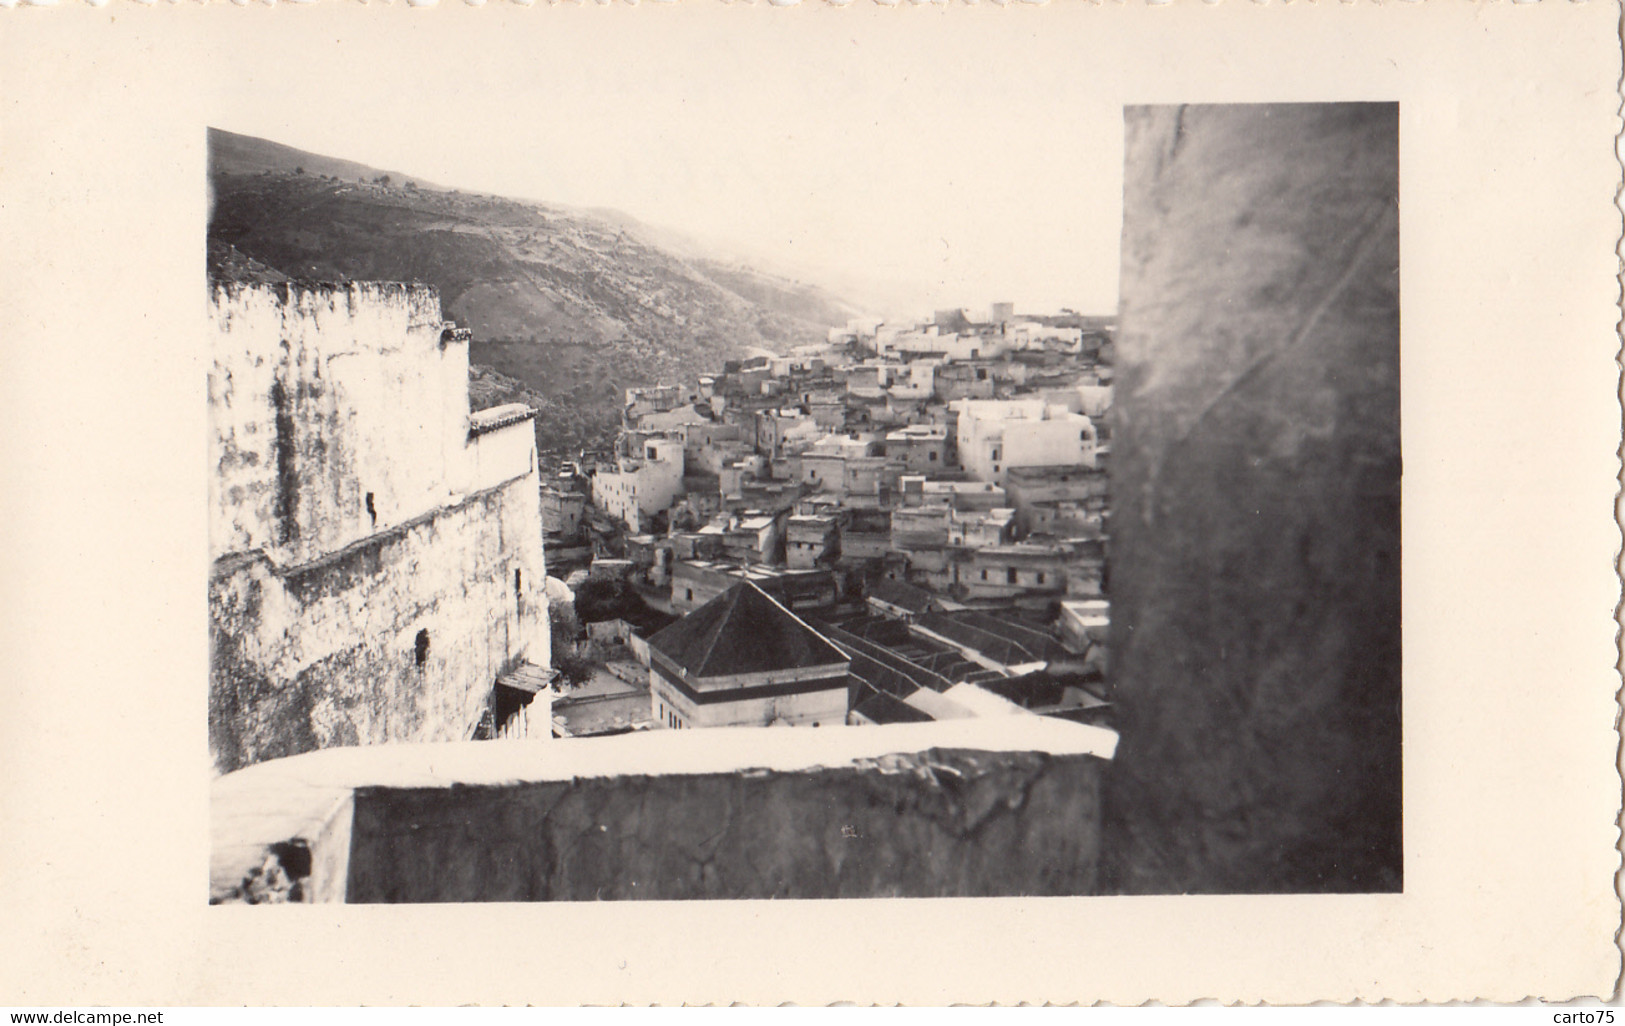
(978, 807)
(501, 446)
(398, 637)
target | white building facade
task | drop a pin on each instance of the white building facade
(996, 434)
(637, 488)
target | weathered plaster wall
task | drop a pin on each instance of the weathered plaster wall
(351, 509)
(941, 823)
(315, 394)
(326, 653)
(501, 455)
(975, 806)
(1255, 576)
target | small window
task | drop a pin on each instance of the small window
(984, 575)
(518, 581)
(995, 454)
(1010, 576)
(1083, 436)
(690, 593)
(1040, 577)
(372, 510)
(933, 456)
(421, 647)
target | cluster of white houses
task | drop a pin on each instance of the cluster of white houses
(957, 466)
(903, 523)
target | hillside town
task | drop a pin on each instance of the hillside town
(901, 528)
(453, 660)
(906, 523)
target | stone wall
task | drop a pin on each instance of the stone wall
(334, 411)
(973, 807)
(378, 556)
(1255, 563)
(327, 653)
(501, 454)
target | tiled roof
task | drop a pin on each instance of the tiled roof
(901, 595)
(743, 630)
(880, 707)
(1005, 642)
(1044, 688)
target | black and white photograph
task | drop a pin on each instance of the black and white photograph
(706, 495)
(510, 498)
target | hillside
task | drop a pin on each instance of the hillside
(234, 154)
(572, 305)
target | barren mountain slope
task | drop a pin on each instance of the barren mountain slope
(574, 305)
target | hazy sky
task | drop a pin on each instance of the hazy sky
(878, 155)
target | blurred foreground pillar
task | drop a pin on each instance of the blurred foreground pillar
(1255, 564)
